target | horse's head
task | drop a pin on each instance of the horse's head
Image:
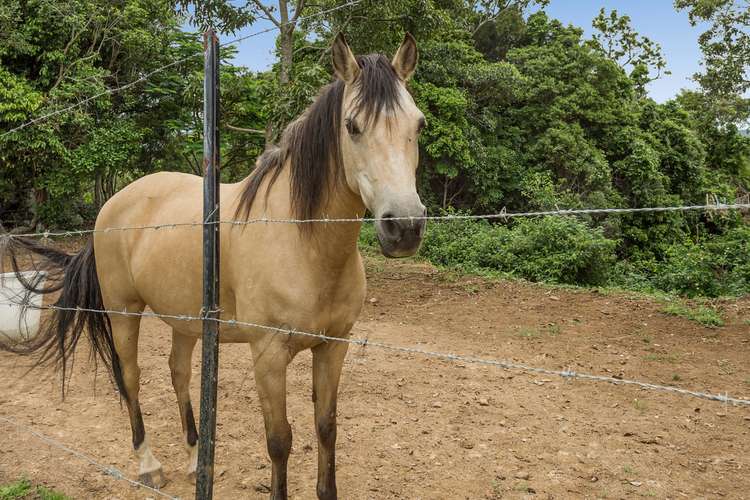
(380, 126)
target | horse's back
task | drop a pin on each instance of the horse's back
(157, 267)
(151, 199)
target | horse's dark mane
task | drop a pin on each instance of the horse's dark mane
(311, 143)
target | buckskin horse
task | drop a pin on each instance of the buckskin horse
(354, 148)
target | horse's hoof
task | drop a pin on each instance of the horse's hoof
(154, 479)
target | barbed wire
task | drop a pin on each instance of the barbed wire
(109, 470)
(506, 365)
(503, 215)
(150, 74)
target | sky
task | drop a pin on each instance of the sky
(656, 19)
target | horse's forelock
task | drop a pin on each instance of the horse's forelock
(377, 88)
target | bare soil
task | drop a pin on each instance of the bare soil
(422, 428)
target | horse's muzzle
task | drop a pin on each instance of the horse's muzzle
(400, 236)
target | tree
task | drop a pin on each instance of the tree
(621, 43)
(484, 12)
(61, 52)
(726, 55)
(286, 25)
(222, 15)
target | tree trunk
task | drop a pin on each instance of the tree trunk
(98, 190)
(446, 182)
(39, 197)
(286, 42)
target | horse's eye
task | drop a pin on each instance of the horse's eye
(352, 127)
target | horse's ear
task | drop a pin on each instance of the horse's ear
(405, 60)
(344, 63)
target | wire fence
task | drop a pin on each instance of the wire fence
(506, 365)
(106, 469)
(502, 215)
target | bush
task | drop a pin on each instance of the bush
(552, 249)
(566, 250)
(714, 267)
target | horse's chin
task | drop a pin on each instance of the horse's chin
(396, 251)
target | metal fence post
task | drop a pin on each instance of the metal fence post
(210, 344)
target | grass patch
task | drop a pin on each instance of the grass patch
(705, 315)
(529, 333)
(725, 367)
(662, 358)
(12, 491)
(640, 405)
(23, 489)
(523, 487)
(549, 330)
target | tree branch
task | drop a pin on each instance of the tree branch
(297, 11)
(242, 129)
(267, 12)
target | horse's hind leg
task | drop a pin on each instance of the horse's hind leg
(125, 334)
(180, 366)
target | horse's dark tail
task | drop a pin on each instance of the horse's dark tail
(74, 311)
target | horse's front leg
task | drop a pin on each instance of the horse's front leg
(328, 359)
(271, 359)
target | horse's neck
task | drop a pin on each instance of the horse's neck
(333, 243)
(337, 241)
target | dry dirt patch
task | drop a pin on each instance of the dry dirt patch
(415, 427)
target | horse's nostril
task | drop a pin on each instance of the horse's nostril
(390, 227)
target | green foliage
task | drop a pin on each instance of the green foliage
(523, 113)
(220, 14)
(706, 316)
(726, 56)
(714, 267)
(553, 250)
(620, 42)
(368, 238)
(16, 490)
(23, 489)
(60, 171)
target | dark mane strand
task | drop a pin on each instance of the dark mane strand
(312, 145)
(377, 88)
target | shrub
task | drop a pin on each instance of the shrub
(566, 250)
(552, 249)
(716, 266)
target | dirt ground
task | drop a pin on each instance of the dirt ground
(421, 428)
